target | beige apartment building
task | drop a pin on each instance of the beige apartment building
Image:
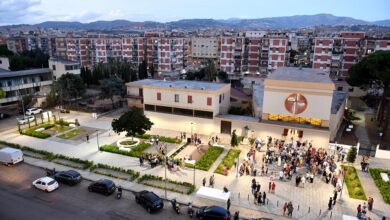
(207, 48)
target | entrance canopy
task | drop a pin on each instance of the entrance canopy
(213, 194)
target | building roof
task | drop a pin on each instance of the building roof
(64, 61)
(9, 74)
(183, 84)
(337, 100)
(297, 74)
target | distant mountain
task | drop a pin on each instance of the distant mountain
(297, 21)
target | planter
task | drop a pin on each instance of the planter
(127, 147)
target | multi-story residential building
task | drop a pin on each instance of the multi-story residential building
(204, 48)
(322, 53)
(17, 44)
(277, 51)
(352, 49)
(26, 82)
(170, 54)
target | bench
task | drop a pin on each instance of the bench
(72, 125)
(385, 177)
(40, 129)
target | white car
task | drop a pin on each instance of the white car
(46, 184)
(25, 120)
(33, 111)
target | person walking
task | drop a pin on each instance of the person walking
(330, 203)
(334, 196)
(87, 136)
(290, 209)
(285, 208)
(204, 181)
(359, 209)
(253, 187)
(259, 198)
(258, 186)
(228, 204)
(370, 203)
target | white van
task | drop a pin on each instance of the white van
(10, 155)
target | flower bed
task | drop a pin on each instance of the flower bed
(161, 138)
(384, 187)
(355, 188)
(38, 134)
(135, 151)
(178, 151)
(228, 160)
(133, 174)
(157, 180)
(208, 158)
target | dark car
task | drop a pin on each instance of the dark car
(103, 186)
(69, 177)
(149, 200)
(212, 213)
(4, 115)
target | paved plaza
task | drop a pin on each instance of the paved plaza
(309, 202)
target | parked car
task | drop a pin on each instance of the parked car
(4, 115)
(69, 177)
(212, 213)
(33, 111)
(10, 155)
(25, 120)
(103, 186)
(46, 184)
(149, 200)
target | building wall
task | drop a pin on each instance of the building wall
(58, 68)
(335, 122)
(204, 47)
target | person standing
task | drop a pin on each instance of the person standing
(254, 186)
(359, 209)
(273, 187)
(370, 203)
(330, 203)
(285, 208)
(290, 209)
(258, 186)
(264, 197)
(204, 181)
(228, 204)
(87, 136)
(259, 198)
(235, 163)
(269, 187)
(237, 215)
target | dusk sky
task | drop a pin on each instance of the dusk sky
(36, 11)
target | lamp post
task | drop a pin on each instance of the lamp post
(194, 174)
(97, 139)
(192, 124)
(165, 181)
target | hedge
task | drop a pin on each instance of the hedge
(178, 151)
(172, 140)
(228, 160)
(208, 158)
(190, 186)
(38, 134)
(86, 163)
(384, 187)
(47, 155)
(355, 188)
(136, 151)
(134, 174)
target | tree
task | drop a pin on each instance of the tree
(132, 122)
(234, 140)
(25, 102)
(351, 156)
(152, 71)
(69, 86)
(222, 75)
(112, 87)
(29, 59)
(210, 70)
(2, 93)
(373, 71)
(143, 70)
(5, 52)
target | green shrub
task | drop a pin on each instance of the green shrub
(128, 142)
(228, 160)
(384, 187)
(47, 155)
(31, 131)
(136, 151)
(208, 158)
(354, 186)
(62, 122)
(161, 138)
(190, 186)
(134, 174)
(86, 163)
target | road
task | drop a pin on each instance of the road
(19, 200)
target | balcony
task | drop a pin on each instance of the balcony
(28, 85)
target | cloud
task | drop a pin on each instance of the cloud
(16, 11)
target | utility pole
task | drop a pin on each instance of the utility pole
(97, 139)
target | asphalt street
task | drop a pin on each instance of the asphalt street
(20, 200)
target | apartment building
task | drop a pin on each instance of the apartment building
(25, 82)
(204, 48)
(352, 50)
(60, 66)
(277, 52)
(17, 44)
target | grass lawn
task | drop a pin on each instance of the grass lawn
(129, 142)
(228, 160)
(355, 188)
(71, 134)
(384, 187)
(135, 151)
(208, 158)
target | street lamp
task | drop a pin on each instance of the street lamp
(192, 124)
(97, 139)
(165, 182)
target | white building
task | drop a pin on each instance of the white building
(4, 63)
(61, 66)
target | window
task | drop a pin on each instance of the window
(149, 108)
(209, 101)
(220, 99)
(54, 67)
(350, 89)
(159, 96)
(189, 99)
(176, 97)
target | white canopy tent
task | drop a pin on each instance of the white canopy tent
(213, 194)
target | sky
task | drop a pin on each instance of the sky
(36, 11)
